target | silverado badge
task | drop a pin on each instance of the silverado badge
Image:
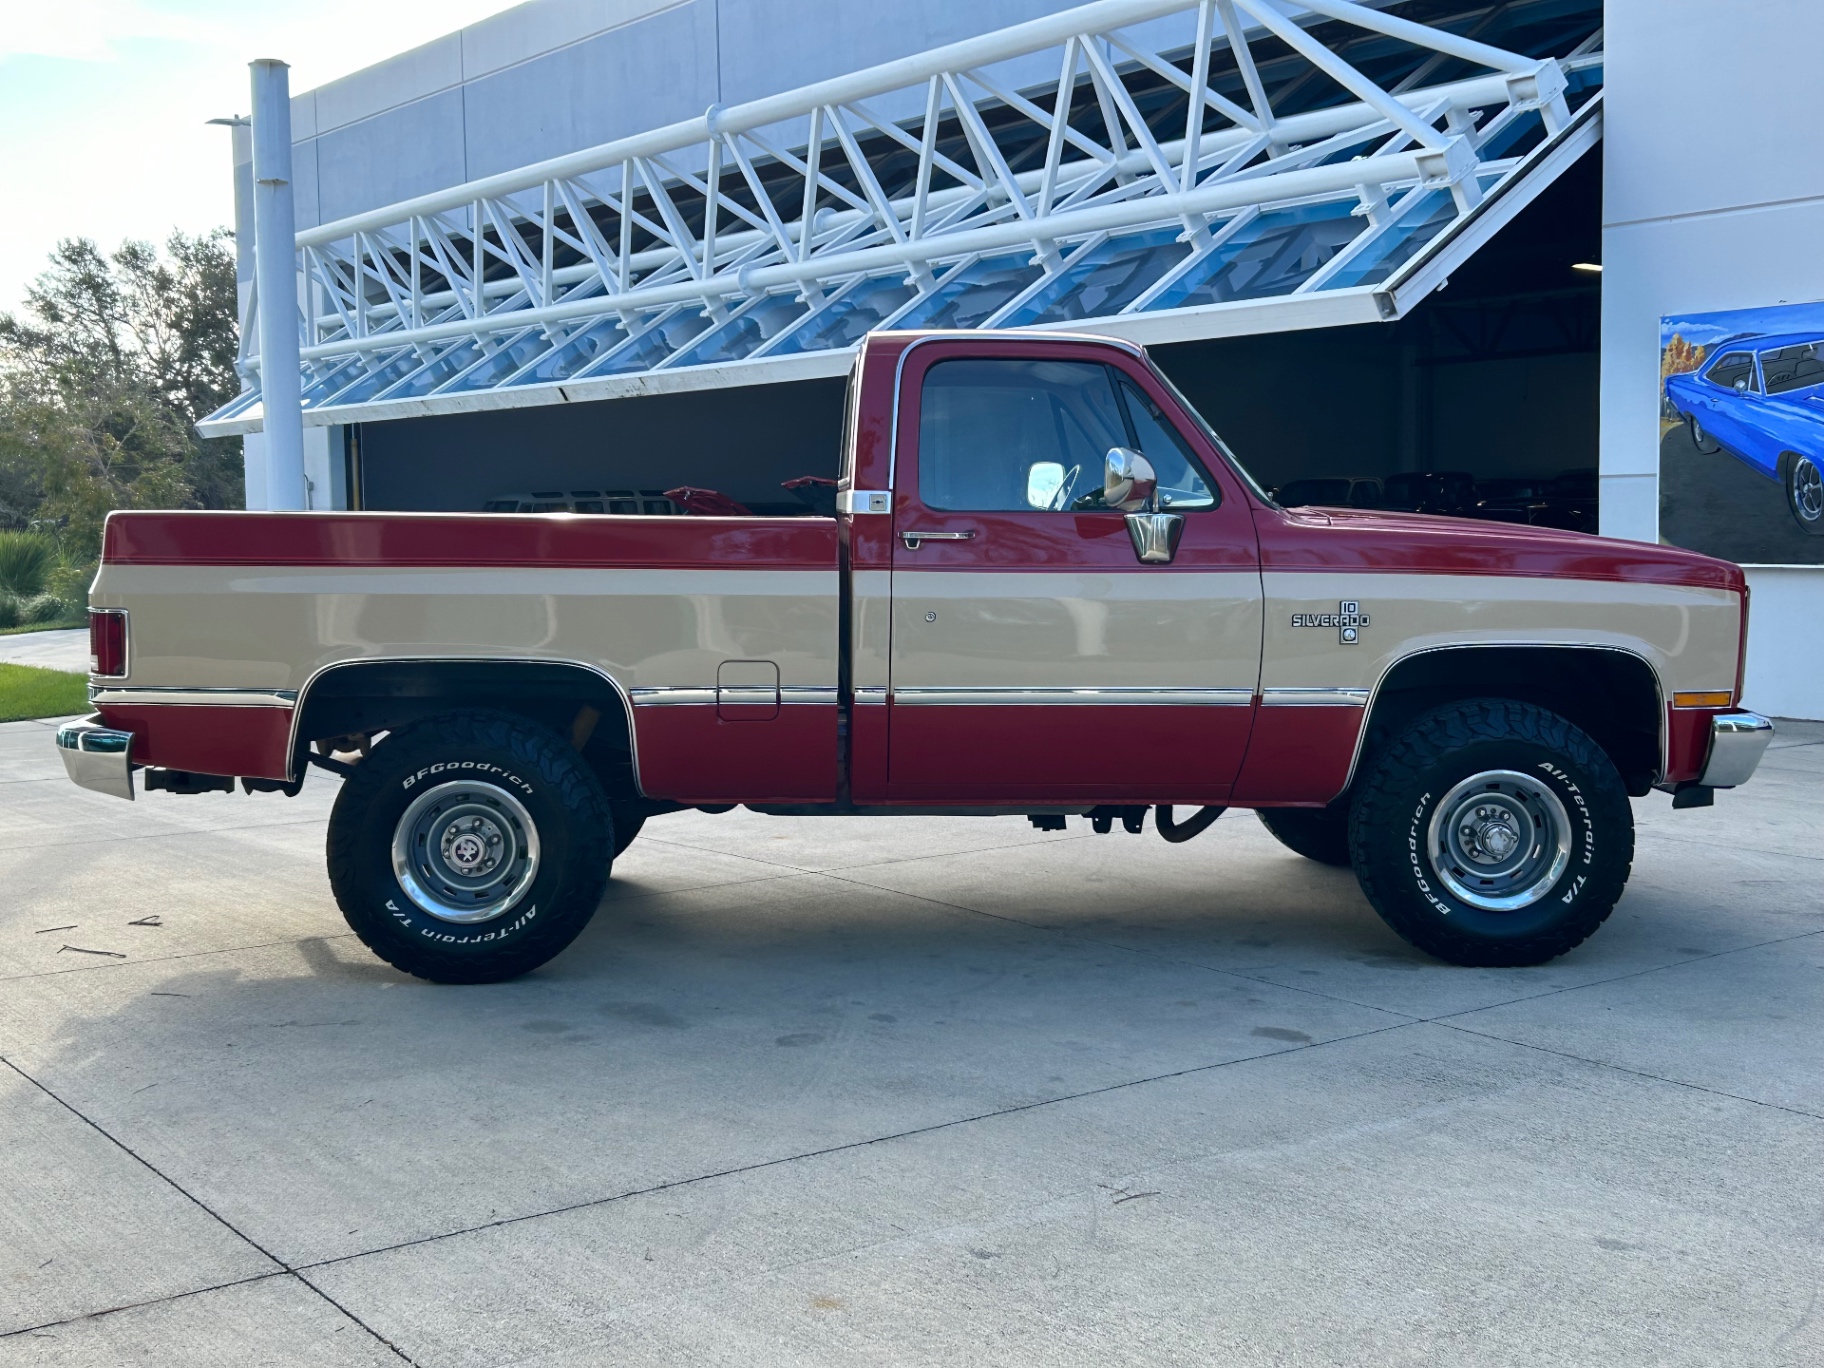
(1348, 619)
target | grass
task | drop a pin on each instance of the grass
(26, 692)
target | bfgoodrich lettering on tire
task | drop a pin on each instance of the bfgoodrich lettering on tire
(1492, 833)
(470, 848)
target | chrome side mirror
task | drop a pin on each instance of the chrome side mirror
(1129, 484)
(1128, 481)
(1155, 536)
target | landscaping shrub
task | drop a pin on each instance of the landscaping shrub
(26, 559)
(45, 608)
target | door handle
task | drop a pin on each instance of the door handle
(912, 539)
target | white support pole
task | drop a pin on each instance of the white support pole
(275, 267)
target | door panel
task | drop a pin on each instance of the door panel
(1033, 657)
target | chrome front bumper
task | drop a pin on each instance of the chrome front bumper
(97, 757)
(1737, 742)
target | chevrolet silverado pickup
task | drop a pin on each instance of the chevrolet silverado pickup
(1046, 589)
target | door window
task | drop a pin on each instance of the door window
(1007, 436)
(1022, 436)
(1735, 372)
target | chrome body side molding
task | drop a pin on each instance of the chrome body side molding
(102, 696)
(661, 696)
(1120, 696)
(1314, 698)
(667, 695)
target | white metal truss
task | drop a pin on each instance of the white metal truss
(953, 188)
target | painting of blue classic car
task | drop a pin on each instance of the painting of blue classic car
(1760, 398)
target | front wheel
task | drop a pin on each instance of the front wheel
(1805, 493)
(470, 848)
(1493, 833)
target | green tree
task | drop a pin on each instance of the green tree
(103, 376)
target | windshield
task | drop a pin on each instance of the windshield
(1203, 426)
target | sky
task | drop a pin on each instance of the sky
(104, 105)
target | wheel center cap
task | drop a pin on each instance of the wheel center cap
(470, 847)
(1499, 840)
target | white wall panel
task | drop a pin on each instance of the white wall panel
(543, 26)
(1720, 107)
(435, 66)
(1713, 198)
(410, 150)
(646, 74)
(1785, 647)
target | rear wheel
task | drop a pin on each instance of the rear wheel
(628, 819)
(1700, 439)
(1320, 834)
(1493, 833)
(1805, 493)
(470, 848)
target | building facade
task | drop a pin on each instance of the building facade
(1427, 246)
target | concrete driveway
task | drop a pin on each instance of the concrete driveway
(65, 649)
(921, 1091)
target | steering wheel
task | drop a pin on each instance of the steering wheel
(1061, 500)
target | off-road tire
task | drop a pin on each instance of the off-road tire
(628, 819)
(1320, 834)
(549, 781)
(1390, 832)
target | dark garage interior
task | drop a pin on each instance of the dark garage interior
(1494, 376)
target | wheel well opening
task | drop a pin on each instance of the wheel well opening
(365, 698)
(1612, 695)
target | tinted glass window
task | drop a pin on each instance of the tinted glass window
(1010, 435)
(1792, 368)
(1735, 371)
(1181, 482)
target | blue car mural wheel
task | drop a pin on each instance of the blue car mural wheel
(1805, 492)
(1700, 439)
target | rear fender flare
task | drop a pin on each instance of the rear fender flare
(526, 664)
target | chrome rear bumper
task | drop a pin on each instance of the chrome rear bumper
(1737, 742)
(97, 757)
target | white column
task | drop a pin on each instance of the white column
(275, 266)
(253, 468)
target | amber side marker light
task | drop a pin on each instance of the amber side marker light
(1715, 699)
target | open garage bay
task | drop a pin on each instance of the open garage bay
(913, 1091)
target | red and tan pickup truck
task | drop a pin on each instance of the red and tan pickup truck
(1047, 589)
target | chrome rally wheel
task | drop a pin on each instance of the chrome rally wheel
(465, 852)
(1499, 840)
